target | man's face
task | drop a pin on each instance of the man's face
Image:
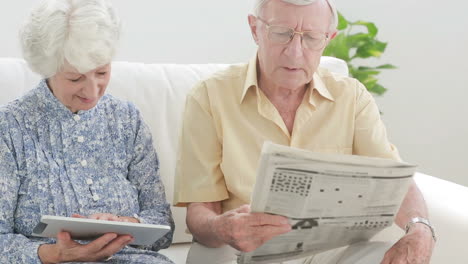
(290, 65)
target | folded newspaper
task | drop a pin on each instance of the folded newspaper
(332, 200)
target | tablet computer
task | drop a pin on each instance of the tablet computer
(90, 229)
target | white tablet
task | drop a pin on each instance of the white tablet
(90, 229)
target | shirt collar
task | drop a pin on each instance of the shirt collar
(51, 105)
(251, 77)
(251, 80)
(320, 87)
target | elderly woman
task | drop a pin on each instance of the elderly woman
(67, 149)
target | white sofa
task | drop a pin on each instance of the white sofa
(159, 92)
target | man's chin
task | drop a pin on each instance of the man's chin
(291, 79)
(291, 83)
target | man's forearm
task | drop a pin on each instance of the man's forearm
(200, 217)
(413, 205)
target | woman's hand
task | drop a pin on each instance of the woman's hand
(109, 217)
(68, 250)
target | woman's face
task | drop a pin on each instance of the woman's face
(80, 91)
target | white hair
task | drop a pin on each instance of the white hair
(83, 33)
(259, 4)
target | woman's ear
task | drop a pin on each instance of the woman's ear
(253, 27)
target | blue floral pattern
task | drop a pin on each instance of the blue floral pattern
(55, 162)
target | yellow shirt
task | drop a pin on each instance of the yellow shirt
(227, 118)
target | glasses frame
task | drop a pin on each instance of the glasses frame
(294, 32)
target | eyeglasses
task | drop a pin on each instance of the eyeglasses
(283, 35)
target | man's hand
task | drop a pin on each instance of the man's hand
(246, 231)
(414, 248)
(68, 250)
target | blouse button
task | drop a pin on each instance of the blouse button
(81, 139)
(84, 163)
(96, 197)
(89, 181)
(77, 118)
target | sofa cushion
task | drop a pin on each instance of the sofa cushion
(158, 90)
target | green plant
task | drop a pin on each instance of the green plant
(349, 45)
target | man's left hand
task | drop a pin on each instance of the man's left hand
(413, 248)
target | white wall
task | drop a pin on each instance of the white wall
(426, 106)
(425, 109)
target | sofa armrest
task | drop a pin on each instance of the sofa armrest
(447, 203)
(448, 211)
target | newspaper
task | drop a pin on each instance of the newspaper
(332, 200)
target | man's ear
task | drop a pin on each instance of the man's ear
(253, 27)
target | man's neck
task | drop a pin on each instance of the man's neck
(282, 95)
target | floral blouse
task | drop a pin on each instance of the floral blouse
(55, 162)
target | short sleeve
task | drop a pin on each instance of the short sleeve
(199, 177)
(370, 134)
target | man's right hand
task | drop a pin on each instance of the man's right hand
(246, 231)
(68, 250)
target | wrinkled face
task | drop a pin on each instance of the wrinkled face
(289, 65)
(80, 91)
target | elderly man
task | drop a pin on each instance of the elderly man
(281, 96)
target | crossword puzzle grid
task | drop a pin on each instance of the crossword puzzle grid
(291, 182)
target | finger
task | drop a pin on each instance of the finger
(267, 232)
(386, 260)
(114, 218)
(394, 256)
(115, 246)
(95, 216)
(243, 209)
(64, 239)
(99, 243)
(100, 216)
(260, 219)
(104, 216)
(109, 217)
(123, 219)
(78, 216)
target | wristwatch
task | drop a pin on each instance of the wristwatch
(423, 221)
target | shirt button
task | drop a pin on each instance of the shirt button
(96, 197)
(84, 163)
(89, 181)
(81, 139)
(77, 118)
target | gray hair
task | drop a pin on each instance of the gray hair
(258, 5)
(83, 33)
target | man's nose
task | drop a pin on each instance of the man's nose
(294, 48)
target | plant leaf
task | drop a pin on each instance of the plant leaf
(378, 89)
(338, 48)
(342, 22)
(358, 39)
(371, 28)
(373, 48)
(360, 44)
(387, 66)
